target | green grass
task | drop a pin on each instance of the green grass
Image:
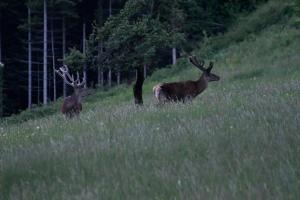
(238, 140)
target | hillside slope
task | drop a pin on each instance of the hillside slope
(238, 140)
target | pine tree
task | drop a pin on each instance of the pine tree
(109, 70)
(2, 6)
(29, 57)
(53, 60)
(99, 16)
(84, 51)
(0, 37)
(45, 53)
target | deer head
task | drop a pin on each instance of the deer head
(206, 71)
(76, 84)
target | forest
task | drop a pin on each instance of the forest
(108, 40)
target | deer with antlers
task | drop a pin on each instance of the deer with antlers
(72, 104)
(186, 90)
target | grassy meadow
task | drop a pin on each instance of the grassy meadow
(237, 140)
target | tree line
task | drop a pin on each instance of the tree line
(110, 41)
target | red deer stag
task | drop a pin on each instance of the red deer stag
(72, 104)
(186, 90)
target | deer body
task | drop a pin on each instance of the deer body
(179, 91)
(185, 90)
(71, 106)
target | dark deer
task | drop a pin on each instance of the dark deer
(72, 104)
(186, 90)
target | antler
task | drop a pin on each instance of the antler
(200, 65)
(211, 64)
(64, 73)
(78, 83)
(69, 79)
(195, 62)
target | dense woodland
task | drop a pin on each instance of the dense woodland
(108, 40)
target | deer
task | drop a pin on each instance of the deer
(72, 104)
(186, 90)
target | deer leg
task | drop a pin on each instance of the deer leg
(77, 112)
(68, 115)
(72, 113)
(187, 99)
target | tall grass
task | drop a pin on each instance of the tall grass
(238, 140)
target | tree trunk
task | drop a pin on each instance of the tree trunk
(98, 75)
(136, 74)
(100, 70)
(38, 85)
(109, 70)
(29, 60)
(64, 51)
(0, 38)
(45, 56)
(83, 50)
(53, 61)
(98, 66)
(118, 77)
(1, 91)
(109, 77)
(145, 70)
(174, 58)
(1, 71)
(102, 77)
(110, 8)
(138, 87)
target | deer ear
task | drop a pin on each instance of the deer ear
(211, 64)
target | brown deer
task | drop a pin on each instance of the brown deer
(72, 104)
(186, 90)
